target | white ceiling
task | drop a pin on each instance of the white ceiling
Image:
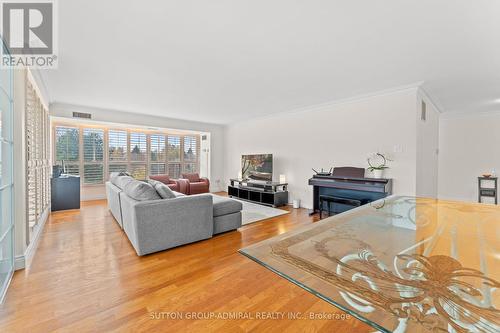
(222, 61)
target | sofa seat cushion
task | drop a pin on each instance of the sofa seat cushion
(225, 206)
(141, 191)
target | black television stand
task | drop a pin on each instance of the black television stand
(268, 193)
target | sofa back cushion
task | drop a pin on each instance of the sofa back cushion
(178, 195)
(121, 173)
(165, 179)
(120, 181)
(113, 175)
(140, 191)
(163, 190)
(192, 177)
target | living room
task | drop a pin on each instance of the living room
(249, 166)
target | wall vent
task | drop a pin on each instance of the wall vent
(82, 115)
(423, 114)
(203, 137)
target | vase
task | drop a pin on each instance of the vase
(378, 173)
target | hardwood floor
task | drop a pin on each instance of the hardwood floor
(86, 277)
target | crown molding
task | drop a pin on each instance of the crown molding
(425, 94)
(465, 114)
(64, 110)
(65, 118)
(314, 107)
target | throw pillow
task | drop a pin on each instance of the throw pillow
(113, 175)
(141, 191)
(163, 190)
(153, 182)
(121, 181)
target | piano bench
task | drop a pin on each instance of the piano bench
(333, 199)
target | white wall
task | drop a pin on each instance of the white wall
(427, 148)
(468, 147)
(341, 134)
(216, 148)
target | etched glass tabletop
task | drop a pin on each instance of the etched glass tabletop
(401, 264)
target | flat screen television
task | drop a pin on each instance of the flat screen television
(257, 167)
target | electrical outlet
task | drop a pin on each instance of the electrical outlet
(397, 149)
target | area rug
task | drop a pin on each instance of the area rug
(253, 212)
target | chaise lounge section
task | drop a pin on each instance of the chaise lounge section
(227, 214)
(156, 225)
(156, 219)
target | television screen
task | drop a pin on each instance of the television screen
(257, 167)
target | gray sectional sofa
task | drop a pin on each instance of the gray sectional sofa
(156, 219)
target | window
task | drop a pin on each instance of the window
(93, 156)
(117, 145)
(190, 148)
(37, 157)
(6, 177)
(138, 155)
(174, 148)
(174, 156)
(117, 151)
(94, 153)
(137, 147)
(190, 168)
(157, 154)
(157, 169)
(67, 148)
(117, 168)
(138, 171)
(174, 170)
(190, 154)
(157, 148)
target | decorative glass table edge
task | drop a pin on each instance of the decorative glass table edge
(309, 289)
(381, 203)
(316, 293)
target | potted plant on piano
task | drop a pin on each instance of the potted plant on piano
(377, 164)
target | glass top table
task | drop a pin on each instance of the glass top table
(401, 264)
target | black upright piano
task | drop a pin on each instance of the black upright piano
(347, 187)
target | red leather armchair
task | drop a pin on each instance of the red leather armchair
(165, 179)
(196, 185)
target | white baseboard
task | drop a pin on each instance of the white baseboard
(24, 261)
(19, 262)
(93, 197)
